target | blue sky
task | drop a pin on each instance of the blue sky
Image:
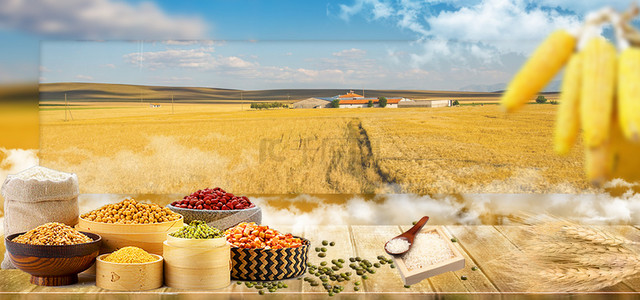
(401, 44)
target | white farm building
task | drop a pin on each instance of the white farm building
(353, 100)
(426, 103)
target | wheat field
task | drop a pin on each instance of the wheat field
(132, 148)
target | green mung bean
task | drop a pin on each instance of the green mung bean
(197, 229)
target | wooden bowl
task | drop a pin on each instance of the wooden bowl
(221, 219)
(129, 277)
(53, 265)
(146, 236)
(129, 228)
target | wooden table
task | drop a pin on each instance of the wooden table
(479, 245)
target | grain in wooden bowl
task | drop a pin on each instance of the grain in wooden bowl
(53, 253)
(131, 223)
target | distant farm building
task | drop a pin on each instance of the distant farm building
(353, 100)
(364, 102)
(426, 103)
(154, 105)
(312, 103)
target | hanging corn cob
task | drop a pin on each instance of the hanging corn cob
(629, 93)
(598, 85)
(600, 93)
(543, 65)
(568, 119)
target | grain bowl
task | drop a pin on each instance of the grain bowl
(53, 265)
(221, 219)
(269, 264)
(129, 276)
(131, 223)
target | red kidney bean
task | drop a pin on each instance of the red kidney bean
(213, 199)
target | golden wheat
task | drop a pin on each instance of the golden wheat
(137, 149)
(565, 257)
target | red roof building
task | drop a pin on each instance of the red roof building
(350, 95)
(374, 100)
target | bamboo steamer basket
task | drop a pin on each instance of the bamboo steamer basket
(146, 236)
(197, 267)
(202, 243)
(129, 277)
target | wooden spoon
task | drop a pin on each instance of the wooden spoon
(408, 235)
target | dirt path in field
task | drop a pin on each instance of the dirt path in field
(357, 160)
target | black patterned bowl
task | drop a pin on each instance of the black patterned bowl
(269, 264)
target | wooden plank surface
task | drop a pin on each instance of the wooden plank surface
(343, 248)
(484, 244)
(480, 245)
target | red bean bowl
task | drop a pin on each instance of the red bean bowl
(221, 219)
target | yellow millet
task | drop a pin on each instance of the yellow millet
(130, 255)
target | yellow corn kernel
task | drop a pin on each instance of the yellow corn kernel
(629, 93)
(568, 118)
(597, 92)
(626, 159)
(599, 163)
(538, 71)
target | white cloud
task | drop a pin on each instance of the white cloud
(499, 24)
(188, 42)
(44, 69)
(582, 7)
(379, 9)
(200, 58)
(488, 38)
(110, 66)
(98, 19)
(84, 77)
(351, 53)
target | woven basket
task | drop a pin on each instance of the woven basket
(269, 264)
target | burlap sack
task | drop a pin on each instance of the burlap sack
(30, 203)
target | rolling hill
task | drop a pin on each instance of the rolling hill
(103, 92)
